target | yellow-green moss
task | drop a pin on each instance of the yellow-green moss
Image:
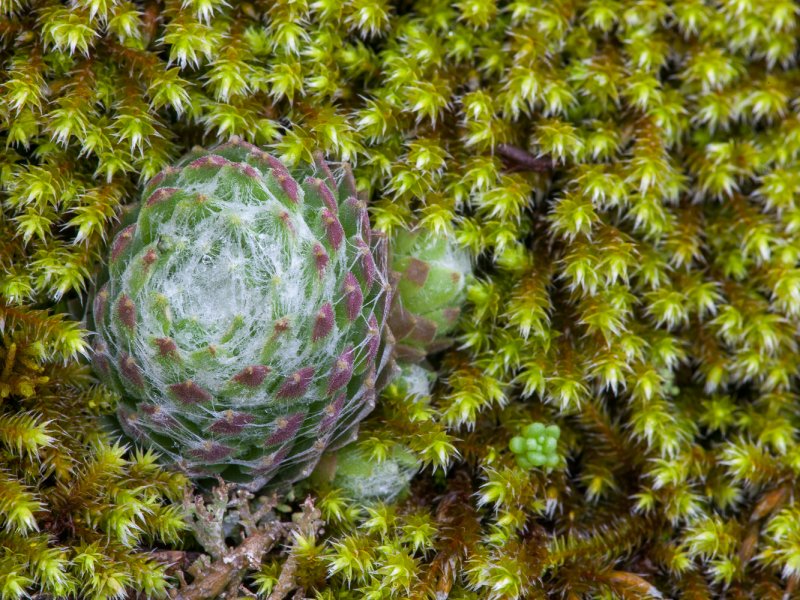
(625, 173)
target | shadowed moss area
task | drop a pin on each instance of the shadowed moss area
(79, 512)
(622, 173)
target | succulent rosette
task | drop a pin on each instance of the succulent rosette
(242, 321)
(537, 446)
(432, 277)
(414, 381)
(365, 479)
(366, 476)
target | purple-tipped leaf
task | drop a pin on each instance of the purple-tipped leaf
(333, 228)
(210, 451)
(252, 376)
(231, 423)
(189, 392)
(323, 324)
(353, 296)
(297, 383)
(342, 370)
(122, 241)
(285, 429)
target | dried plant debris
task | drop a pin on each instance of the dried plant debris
(255, 528)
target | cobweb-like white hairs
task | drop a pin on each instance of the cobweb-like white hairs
(244, 321)
(368, 480)
(416, 380)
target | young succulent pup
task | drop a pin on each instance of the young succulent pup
(433, 274)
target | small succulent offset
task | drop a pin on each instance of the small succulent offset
(537, 446)
(414, 380)
(360, 474)
(364, 479)
(433, 276)
(242, 321)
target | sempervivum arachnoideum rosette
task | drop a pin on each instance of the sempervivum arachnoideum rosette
(243, 317)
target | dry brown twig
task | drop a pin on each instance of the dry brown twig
(308, 524)
(220, 573)
(522, 160)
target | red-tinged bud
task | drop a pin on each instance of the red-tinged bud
(285, 429)
(348, 181)
(381, 250)
(122, 241)
(284, 179)
(281, 326)
(373, 338)
(231, 423)
(333, 228)
(353, 297)
(270, 462)
(101, 363)
(332, 412)
(211, 451)
(290, 187)
(160, 177)
(324, 169)
(252, 376)
(99, 306)
(356, 210)
(159, 417)
(130, 423)
(388, 295)
(297, 383)
(248, 170)
(321, 258)
(451, 314)
(424, 330)
(286, 219)
(236, 141)
(149, 257)
(210, 160)
(323, 324)
(319, 186)
(166, 347)
(130, 370)
(342, 370)
(367, 263)
(277, 166)
(366, 230)
(160, 195)
(189, 392)
(126, 311)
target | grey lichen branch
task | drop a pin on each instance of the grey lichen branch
(308, 524)
(229, 513)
